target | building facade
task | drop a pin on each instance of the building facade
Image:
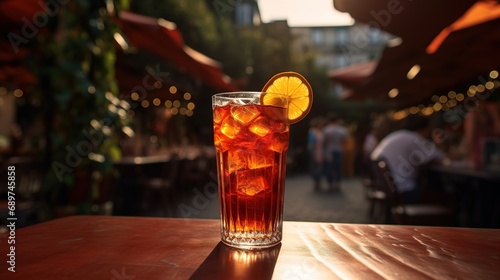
(336, 47)
(340, 46)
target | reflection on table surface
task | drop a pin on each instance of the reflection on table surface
(102, 247)
(225, 262)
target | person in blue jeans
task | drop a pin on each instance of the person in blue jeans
(315, 150)
(335, 136)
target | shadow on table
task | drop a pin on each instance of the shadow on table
(225, 262)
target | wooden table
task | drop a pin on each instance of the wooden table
(104, 247)
(462, 171)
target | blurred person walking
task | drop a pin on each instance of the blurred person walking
(335, 136)
(315, 150)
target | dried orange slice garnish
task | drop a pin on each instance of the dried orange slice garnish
(296, 90)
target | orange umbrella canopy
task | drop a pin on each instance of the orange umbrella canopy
(417, 22)
(479, 13)
(443, 55)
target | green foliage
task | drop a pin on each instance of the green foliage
(193, 19)
(79, 94)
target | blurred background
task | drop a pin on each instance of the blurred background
(105, 105)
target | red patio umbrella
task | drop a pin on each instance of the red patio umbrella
(161, 37)
(353, 75)
(151, 34)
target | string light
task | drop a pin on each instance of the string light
(494, 74)
(112, 108)
(122, 113)
(180, 106)
(18, 93)
(401, 114)
(413, 110)
(393, 93)
(413, 72)
(472, 89)
(480, 88)
(450, 100)
(427, 111)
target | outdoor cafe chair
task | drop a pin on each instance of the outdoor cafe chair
(158, 190)
(431, 214)
(376, 196)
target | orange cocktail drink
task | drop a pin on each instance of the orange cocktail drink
(251, 141)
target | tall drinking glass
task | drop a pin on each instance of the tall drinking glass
(251, 141)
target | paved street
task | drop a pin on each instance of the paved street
(301, 202)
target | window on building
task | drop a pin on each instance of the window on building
(342, 35)
(342, 60)
(244, 14)
(318, 37)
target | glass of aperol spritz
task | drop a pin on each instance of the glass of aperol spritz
(251, 136)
